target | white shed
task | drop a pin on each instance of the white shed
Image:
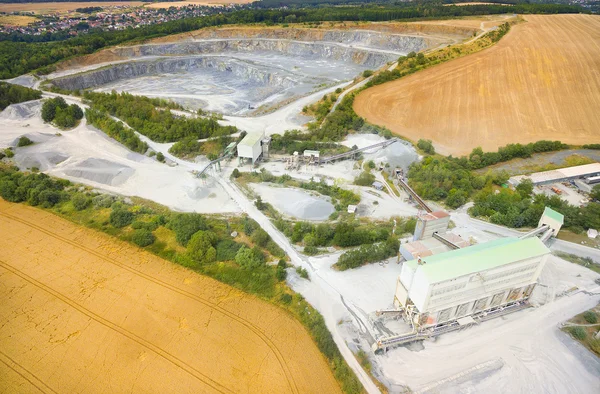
(250, 146)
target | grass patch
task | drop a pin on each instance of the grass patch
(582, 261)
(581, 329)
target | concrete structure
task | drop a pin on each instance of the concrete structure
(312, 153)
(429, 223)
(250, 146)
(352, 208)
(378, 185)
(552, 219)
(446, 287)
(430, 246)
(560, 175)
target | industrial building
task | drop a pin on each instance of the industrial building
(251, 147)
(455, 285)
(561, 175)
(438, 289)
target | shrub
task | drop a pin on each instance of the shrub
(281, 273)
(24, 141)
(160, 157)
(9, 153)
(367, 73)
(143, 237)
(80, 201)
(590, 317)
(236, 173)
(311, 250)
(578, 333)
(120, 217)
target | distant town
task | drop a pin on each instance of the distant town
(110, 17)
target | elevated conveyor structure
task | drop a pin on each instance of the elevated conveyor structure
(382, 144)
(413, 194)
(445, 241)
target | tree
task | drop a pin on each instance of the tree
(160, 157)
(185, 225)
(236, 173)
(364, 179)
(525, 188)
(260, 237)
(426, 146)
(143, 237)
(248, 258)
(201, 249)
(48, 110)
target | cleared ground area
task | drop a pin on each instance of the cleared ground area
(541, 81)
(82, 312)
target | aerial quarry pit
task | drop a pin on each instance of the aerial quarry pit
(466, 306)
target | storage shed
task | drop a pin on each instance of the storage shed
(250, 147)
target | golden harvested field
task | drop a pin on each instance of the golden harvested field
(16, 20)
(541, 81)
(83, 312)
(43, 8)
(168, 4)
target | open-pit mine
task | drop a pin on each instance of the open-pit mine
(237, 70)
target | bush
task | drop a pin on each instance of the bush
(24, 141)
(367, 73)
(80, 201)
(590, 317)
(236, 173)
(281, 273)
(143, 237)
(578, 333)
(9, 153)
(120, 217)
(311, 250)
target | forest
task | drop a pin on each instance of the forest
(24, 53)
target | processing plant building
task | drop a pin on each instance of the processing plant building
(585, 171)
(457, 284)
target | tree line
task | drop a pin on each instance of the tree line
(153, 117)
(116, 130)
(14, 94)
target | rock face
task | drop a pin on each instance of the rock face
(232, 71)
(252, 73)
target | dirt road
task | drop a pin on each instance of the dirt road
(83, 312)
(539, 82)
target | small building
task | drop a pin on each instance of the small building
(250, 147)
(429, 223)
(560, 175)
(469, 282)
(378, 185)
(352, 208)
(312, 153)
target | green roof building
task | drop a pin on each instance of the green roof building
(463, 282)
